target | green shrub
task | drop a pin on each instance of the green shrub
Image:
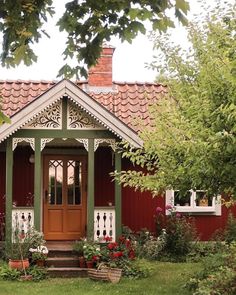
(218, 276)
(6, 273)
(38, 273)
(230, 230)
(180, 234)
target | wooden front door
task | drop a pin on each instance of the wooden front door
(64, 197)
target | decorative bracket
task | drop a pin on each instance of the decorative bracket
(84, 141)
(44, 141)
(17, 140)
(110, 141)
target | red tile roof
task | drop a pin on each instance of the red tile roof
(127, 101)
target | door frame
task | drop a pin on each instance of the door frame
(66, 156)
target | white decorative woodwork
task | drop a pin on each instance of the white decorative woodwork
(104, 223)
(44, 141)
(49, 118)
(77, 118)
(17, 140)
(84, 141)
(110, 141)
(22, 221)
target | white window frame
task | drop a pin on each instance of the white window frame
(215, 209)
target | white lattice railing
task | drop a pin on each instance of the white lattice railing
(104, 223)
(22, 220)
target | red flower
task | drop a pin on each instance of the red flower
(131, 254)
(108, 239)
(112, 246)
(127, 243)
(158, 210)
(95, 258)
(121, 239)
(117, 254)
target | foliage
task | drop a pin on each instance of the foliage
(178, 234)
(87, 23)
(191, 141)
(38, 256)
(7, 273)
(22, 244)
(230, 230)
(200, 250)
(78, 247)
(218, 275)
(153, 248)
(38, 273)
(91, 250)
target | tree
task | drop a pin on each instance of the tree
(88, 24)
(192, 142)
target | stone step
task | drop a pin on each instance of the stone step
(61, 253)
(66, 261)
(67, 272)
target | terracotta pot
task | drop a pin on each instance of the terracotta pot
(18, 264)
(40, 262)
(82, 262)
(89, 264)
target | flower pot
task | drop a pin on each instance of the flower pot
(82, 262)
(89, 264)
(18, 264)
(40, 262)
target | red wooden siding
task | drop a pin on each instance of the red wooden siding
(104, 187)
(138, 209)
(23, 176)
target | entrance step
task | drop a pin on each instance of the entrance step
(65, 261)
(67, 272)
(62, 261)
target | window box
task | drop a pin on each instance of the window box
(195, 202)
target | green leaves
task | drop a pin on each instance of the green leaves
(192, 140)
(88, 24)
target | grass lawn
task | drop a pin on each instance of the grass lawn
(165, 279)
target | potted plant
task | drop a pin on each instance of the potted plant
(78, 247)
(39, 255)
(91, 253)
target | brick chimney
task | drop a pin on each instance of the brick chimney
(100, 75)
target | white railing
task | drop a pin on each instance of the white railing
(104, 223)
(22, 220)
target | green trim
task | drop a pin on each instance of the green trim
(9, 186)
(64, 133)
(64, 151)
(118, 204)
(37, 184)
(90, 200)
(64, 113)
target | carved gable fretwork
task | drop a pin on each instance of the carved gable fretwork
(79, 119)
(50, 118)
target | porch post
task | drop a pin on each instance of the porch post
(118, 207)
(9, 187)
(90, 201)
(37, 184)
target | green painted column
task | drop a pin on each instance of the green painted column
(9, 186)
(118, 204)
(90, 199)
(37, 184)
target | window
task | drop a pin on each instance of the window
(195, 202)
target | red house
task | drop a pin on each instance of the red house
(58, 151)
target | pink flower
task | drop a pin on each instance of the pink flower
(178, 215)
(168, 207)
(158, 210)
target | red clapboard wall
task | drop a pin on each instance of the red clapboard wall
(138, 209)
